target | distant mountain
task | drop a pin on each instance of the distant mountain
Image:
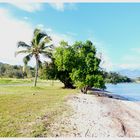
(130, 73)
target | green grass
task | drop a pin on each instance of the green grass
(28, 111)
(14, 81)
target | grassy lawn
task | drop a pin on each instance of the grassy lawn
(27, 111)
(14, 81)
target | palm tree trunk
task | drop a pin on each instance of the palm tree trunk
(36, 72)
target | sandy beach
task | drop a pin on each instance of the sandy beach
(95, 116)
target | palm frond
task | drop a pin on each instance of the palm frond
(42, 46)
(23, 44)
(36, 31)
(39, 35)
(50, 46)
(47, 39)
(27, 58)
(22, 52)
(33, 42)
(46, 54)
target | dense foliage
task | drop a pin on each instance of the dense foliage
(87, 73)
(76, 65)
(63, 61)
(14, 71)
(114, 78)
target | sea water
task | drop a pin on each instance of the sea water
(129, 90)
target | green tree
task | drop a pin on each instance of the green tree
(114, 78)
(2, 70)
(77, 65)
(63, 63)
(87, 73)
(38, 47)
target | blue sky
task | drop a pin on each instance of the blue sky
(114, 28)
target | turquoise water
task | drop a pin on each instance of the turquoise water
(128, 90)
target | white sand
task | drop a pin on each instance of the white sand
(98, 117)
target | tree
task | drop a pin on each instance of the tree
(114, 78)
(87, 73)
(36, 48)
(2, 70)
(77, 65)
(63, 63)
(15, 71)
(49, 71)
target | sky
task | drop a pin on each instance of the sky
(114, 28)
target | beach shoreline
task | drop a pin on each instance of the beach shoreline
(98, 116)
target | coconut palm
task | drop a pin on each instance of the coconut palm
(36, 48)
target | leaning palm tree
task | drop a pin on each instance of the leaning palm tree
(38, 47)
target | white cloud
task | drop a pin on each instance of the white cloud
(136, 50)
(12, 31)
(26, 18)
(57, 6)
(29, 7)
(41, 26)
(48, 30)
(60, 6)
(106, 62)
(131, 66)
(71, 34)
(57, 37)
(102, 53)
(131, 60)
(71, 6)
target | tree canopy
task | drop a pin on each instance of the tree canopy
(15, 71)
(114, 78)
(87, 73)
(76, 65)
(39, 46)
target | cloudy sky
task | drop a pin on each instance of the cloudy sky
(114, 28)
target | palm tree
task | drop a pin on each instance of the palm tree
(38, 47)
